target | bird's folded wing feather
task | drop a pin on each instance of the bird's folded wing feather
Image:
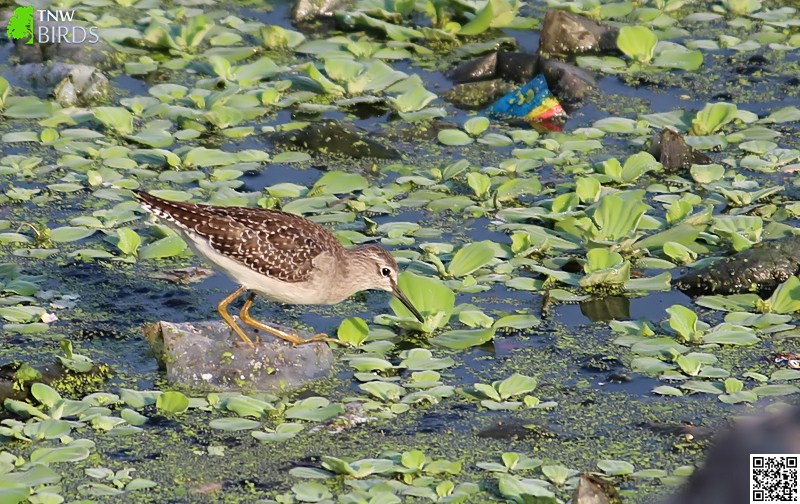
(279, 245)
(262, 243)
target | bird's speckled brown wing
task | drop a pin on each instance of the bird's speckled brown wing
(276, 244)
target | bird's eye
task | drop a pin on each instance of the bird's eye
(386, 272)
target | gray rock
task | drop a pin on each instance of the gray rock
(83, 85)
(307, 10)
(70, 84)
(209, 355)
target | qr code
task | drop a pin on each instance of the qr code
(773, 479)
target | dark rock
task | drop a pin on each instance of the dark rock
(478, 69)
(517, 66)
(759, 269)
(570, 84)
(567, 34)
(335, 139)
(670, 149)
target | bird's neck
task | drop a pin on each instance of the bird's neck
(356, 262)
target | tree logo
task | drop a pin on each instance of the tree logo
(20, 26)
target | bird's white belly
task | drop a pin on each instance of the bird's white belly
(271, 288)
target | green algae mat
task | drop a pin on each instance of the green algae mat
(542, 259)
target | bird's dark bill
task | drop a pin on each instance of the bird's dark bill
(403, 299)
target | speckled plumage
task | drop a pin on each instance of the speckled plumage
(277, 244)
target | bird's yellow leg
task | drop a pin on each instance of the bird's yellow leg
(222, 308)
(294, 339)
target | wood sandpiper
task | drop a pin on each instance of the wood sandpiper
(284, 257)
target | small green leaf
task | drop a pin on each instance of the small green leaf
(311, 491)
(60, 454)
(713, 117)
(558, 474)
(234, 424)
(637, 42)
(414, 459)
(172, 402)
(516, 384)
(70, 233)
(115, 118)
(45, 394)
(775, 390)
(454, 137)
(480, 183)
(248, 406)
(385, 391)
(476, 126)
(668, 390)
(168, 246)
(786, 298)
(337, 182)
(683, 321)
(353, 330)
(461, 339)
(129, 241)
(471, 257)
(615, 467)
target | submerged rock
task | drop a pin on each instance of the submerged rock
(669, 147)
(209, 355)
(335, 139)
(567, 34)
(477, 95)
(759, 269)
